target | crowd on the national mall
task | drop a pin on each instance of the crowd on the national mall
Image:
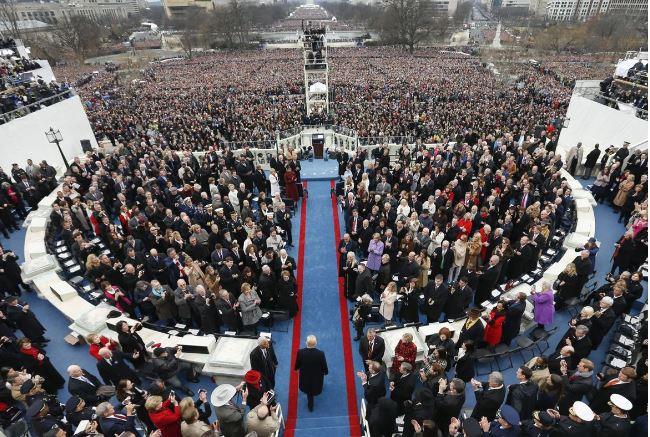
(202, 242)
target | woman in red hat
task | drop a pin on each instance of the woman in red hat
(256, 390)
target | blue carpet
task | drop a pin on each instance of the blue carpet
(321, 317)
(318, 170)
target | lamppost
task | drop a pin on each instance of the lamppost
(55, 137)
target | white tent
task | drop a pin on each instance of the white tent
(318, 87)
(624, 66)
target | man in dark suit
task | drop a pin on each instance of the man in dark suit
(374, 385)
(523, 395)
(514, 312)
(263, 360)
(472, 328)
(538, 243)
(602, 321)
(84, 385)
(353, 225)
(402, 386)
(443, 259)
(113, 424)
(622, 384)
(113, 369)
(576, 384)
(579, 340)
(156, 267)
(487, 280)
(436, 294)
(448, 403)
(363, 282)
(346, 245)
(555, 359)
(312, 367)
(521, 263)
(371, 348)
(489, 396)
(459, 299)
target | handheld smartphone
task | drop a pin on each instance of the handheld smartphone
(271, 400)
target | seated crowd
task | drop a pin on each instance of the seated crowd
(16, 92)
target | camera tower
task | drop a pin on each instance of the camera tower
(314, 44)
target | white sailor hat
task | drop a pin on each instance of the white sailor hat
(583, 411)
(621, 402)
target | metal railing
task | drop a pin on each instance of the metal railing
(262, 144)
(638, 112)
(35, 106)
(385, 139)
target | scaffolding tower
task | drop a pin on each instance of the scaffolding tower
(316, 69)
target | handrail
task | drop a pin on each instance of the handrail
(643, 112)
(28, 109)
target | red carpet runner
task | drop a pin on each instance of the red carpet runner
(292, 411)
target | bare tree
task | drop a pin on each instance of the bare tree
(462, 12)
(190, 26)
(9, 14)
(80, 35)
(408, 22)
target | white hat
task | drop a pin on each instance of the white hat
(580, 409)
(621, 402)
(222, 394)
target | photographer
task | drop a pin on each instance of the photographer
(166, 416)
(183, 296)
(113, 424)
(230, 415)
(131, 343)
(166, 365)
(263, 419)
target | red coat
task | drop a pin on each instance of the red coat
(408, 351)
(494, 328)
(103, 343)
(484, 239)
(466, 226)
(166, 420)
(290, 185)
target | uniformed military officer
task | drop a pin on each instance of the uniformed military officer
(579, 422)
(40, 419)
(506, 423)
(539, 426)
(616, 423)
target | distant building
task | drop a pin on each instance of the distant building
(582, 10)
(441, 7)
(178, 8)
(55, 12)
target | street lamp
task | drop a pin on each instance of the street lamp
(55, 137)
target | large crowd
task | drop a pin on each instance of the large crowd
(200, 241)
(249, 96)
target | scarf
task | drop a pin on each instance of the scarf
(158, 292)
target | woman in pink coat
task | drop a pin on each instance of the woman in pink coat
(375, 251)
(544, 305)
